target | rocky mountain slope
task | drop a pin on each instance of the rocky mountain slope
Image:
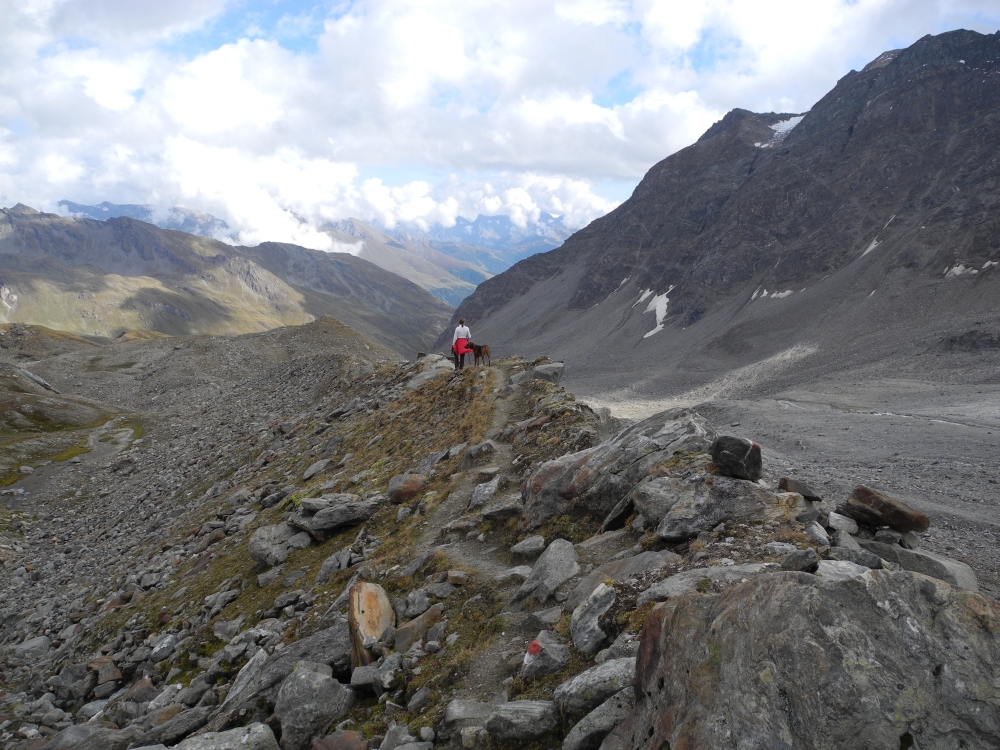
(106, 277)
(864, 229)
(295, 536)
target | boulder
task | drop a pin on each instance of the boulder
(269, 544)
(706, 501)
(805, 560)
(369, 615)
(584, 628)
(546, 654)
(787, 484)
(737, 457)
(508, 506)
(839, 538)
(891, 659)
(253, 737)
(466, 710)
(476, 452)
(595, 480)
(315, 468)
(556, 566)
(105, 739)
(857, 556)
(483, 493)
(308, 702)
(262, 674)
(920, 561)
(877, 509)
(837, 522)
(412, 631)
(343, 510)
(405, 487)
(591, 730)
(171, 732)
(690, 580)
(521, 721)
(582, 694)
(529, 548)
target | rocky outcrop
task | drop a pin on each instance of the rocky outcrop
(593, 481)
(876, 661)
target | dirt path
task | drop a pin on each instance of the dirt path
(488, 670)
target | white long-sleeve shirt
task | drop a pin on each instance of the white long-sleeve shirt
(461, 332)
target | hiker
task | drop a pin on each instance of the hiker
(460, 343)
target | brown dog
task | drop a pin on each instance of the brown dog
(480, 352)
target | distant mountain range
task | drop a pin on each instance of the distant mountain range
(867, 228)
(107, 277)
(446, 261)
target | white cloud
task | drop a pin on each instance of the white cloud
(525, 105)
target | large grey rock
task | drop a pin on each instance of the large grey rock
(345, 510)
(522, 720)
(106, 739)
(920, 561)
(269, 544)
(547, 654)
(591, 730)
(32, 649)
(584, 627)
(466, 710)
(737, 457)
(582, 694)
(508, 506)
(261, 675)
(840, 538)
(315, 468)
(790, 660)
(530, 547)
(483, 493)
(556, 566)
(252, 737)
(706, 501)
(308, 702)
(857, 556)
(688, 580)
(837, 522)
(595, 480)
(183, 724)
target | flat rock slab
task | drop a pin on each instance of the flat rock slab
(920, 561)
(878, 509)
(522, 720)
(466, 710)
(505, 507)
(348, 511)
(689, 579)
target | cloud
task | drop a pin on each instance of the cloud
(282, 119)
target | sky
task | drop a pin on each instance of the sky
(280, 116)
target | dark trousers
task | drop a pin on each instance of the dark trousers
(459, 361)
